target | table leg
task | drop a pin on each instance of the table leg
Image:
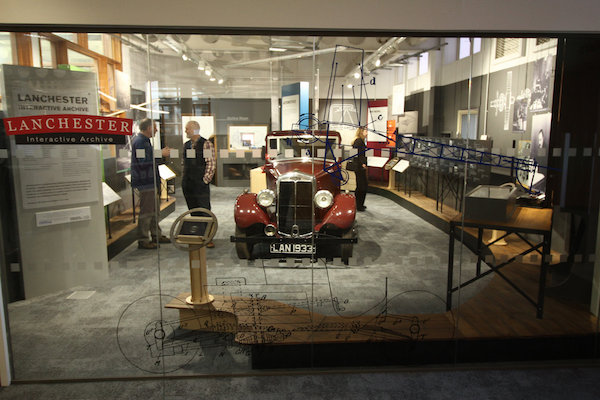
(442, 197)
(108, 220)
(437, 192)
(456, 194)
(479, 257)
(543, 272)
(450, 268)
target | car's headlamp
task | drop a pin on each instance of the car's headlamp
(265, 197)
(323, 199)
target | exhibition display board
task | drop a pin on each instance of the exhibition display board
(292, 272)
(56, 184)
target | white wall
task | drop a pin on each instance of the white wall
(447, 73)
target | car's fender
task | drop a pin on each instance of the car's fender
(247, 212)
(341, 214)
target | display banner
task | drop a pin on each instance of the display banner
(377, 117)
(68, 129)
(294, 106)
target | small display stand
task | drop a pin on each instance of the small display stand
(109, 196)
(128, 179)
(166, 174)
(192, 233)
(396, 165)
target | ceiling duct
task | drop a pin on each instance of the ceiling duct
(181, 38)
(356, 40)
(137, 42)
(377, 59)
(210, 38)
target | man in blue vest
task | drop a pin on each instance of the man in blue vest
(198, 169)
(145, 178)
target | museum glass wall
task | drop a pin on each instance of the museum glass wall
(465, 249)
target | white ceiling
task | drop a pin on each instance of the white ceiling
(250, 67)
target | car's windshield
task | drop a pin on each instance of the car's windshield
(303, 146)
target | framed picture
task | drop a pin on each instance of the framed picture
(246, 137)
(408, 122)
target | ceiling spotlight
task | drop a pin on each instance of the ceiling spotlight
(185, 57)
(212, 79)
(378, 62)
(220, 82)
(356, 75)
(349, 86)
(201, 66)
(208, 72)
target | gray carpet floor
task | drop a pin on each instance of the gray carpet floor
(107, 329)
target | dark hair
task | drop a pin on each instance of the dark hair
(145, 124)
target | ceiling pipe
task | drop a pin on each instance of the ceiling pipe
(369, 64)
(289, 56)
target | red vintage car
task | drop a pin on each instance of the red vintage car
(300, 211)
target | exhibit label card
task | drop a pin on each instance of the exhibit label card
(56, 217)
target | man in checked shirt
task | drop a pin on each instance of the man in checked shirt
(198, 169)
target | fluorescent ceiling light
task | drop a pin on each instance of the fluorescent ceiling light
(148, 110)
(115, 113)
(220, 81)
(212, 79)
(378, 62)
(107, 96)
(277, 49)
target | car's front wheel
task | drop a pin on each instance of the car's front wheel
(243, 249)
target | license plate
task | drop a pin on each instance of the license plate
(291, 248)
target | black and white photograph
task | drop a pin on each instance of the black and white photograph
(520, 114)
(540, 135)
(543, 70)
(540, 138)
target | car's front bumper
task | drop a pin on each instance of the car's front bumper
(281, 247)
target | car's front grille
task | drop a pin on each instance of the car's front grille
(294, 203)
